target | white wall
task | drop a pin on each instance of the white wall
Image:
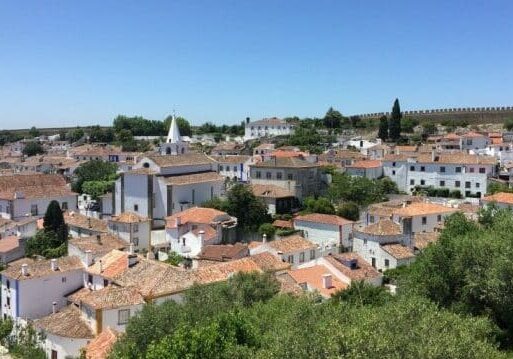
(23, 206)
(322, 233)
(65, 347)
(110, 317)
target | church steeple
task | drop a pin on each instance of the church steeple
(173, 136)
(174, 144)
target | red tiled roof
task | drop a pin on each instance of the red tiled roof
(197, 215)
(323, 218)
(313, 276)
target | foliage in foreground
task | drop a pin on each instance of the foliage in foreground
(244, 318)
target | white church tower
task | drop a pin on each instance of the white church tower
(174, 144)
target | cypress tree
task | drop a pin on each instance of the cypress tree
(53, 218)
(394, 127)
(383, 128)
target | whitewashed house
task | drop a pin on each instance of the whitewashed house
(267, 127)
(474, 141)
(328, 231)
(80, 225)
(234, 167)
(34, 288)
(460, 171)
(499, 199)
(132, 228)
(293, 249)
(425, 217)
(187, 232)
(23, 195)
(385, 244)
(371, 169)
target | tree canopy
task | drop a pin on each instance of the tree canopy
(94, 171)
(394, 127)
(360, 190)
(383, 128)
(33, 148)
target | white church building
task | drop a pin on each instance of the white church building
(163, 184)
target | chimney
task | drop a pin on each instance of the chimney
(88, 258)
(433, 156)
(132, 260)
(24, 269)
(327, 281)
(202, 238)
(54, 307)
(101, 266)
(178, 221)
(54, 265)
(131, 248)
(264, 238)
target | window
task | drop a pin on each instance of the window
(268, 175)
(482, 170)
(371, 219)
(8, 301)
(234, 168)
(63, 279)
(301, 257)
(458, 169)
(136, 227)
(457, 183)
(442, 169)
(290, 176)
(424, 220)
(387, 263)
(422, 182)
(64, 206)
(279, 175)
(422, 169)
(412, 168)
(393, 164)
(89, 278)
(373, 260)
(442, 183)
(136, 207)
(439, 218)
(123, 316)
(290, 259)
(1, 208)
(412, 182)
(105, 282)
(135, 241)
(477, 184)
(221, 168)
(471, 170)
(193, 196)
(467, 184)
(312, 254)
(365, 242)
(258, 174)
(33, 209)
(393, 173)
(8, 284)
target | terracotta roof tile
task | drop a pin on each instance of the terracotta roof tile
(99, 246)
(283, 224)
(41, 268)
(68, 323)
(224, 252)
(8, 244)
(500, 197)
(181, 160)
(194, 178)
(423, 239)
(129, 217)
(198, 215)
(267, 262)
(291, 244)
(285, 162)
(270, 191)
(398, 251)
(323, 218)
(365, 164)
(422, 209)
(232, 159)
(109, 297)
(384, 227)
(223, 270)
(111, 264)
(33, 186)
(361, 271)
(313, 276)
(99, 347)
(80, 221)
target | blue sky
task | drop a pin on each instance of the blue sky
(67, 63)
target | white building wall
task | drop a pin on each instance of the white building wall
(136, 194)
(22, 207)
(202, 192)
(110, 317)
(65, 347)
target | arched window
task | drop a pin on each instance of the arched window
(146, 165)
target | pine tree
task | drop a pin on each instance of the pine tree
(394, 126)
(383, 128)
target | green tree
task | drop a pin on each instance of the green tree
(268, 229)
(34, 132)
(183, 125)
(383, 128)
(75, 135)
(508, 124)
(33, 148)
(318, 205)
(95, 170)
(52, 241)
(333, 118)
(394, 127)
(361, 293)
(349, 210)
(241, 203)
(96, 189)
(408, 124)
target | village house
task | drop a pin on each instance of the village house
(11, 249)
(91, 248)
(223, 252)
(267, 127)
(472, 141)
(132, 228)
(328, 231)
(499, 199)
(264, 149)
(295, 174)
(378, 152)
(293, 249)
(80, 225)
(278, 199)
(458, 171)
(234, 168)
(385, 244)
(227, 149)
(23, 228)
(187, 232)
(425, 217)
(371, 169)
(23, 195)
(47, 280)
